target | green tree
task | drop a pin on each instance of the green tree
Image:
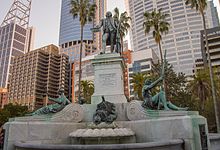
(87, 90)
(175, 83)
(138, 82)
(156, 21)
(200, 5)
(85, 11)
(200, 87)
(10, 111)
(123, 22)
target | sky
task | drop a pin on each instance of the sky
(45, 17)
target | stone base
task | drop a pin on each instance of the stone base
(148, 126)
(153, 130)
(214, 141)
(109, 78)
(120, 98)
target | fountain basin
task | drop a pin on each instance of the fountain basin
(103, 136)
(161, 145)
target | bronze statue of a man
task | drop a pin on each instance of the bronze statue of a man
(110, 35)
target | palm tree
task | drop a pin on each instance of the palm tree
(200, 5)
(138, 83)
(200, 87)
(156, 21)
(85, 11)
(87, 90)
(123, 22)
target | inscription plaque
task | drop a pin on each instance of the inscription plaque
(108, 79)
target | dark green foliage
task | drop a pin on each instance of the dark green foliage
(175, 83)
(200, 87)
(11, 111)
(155, 21)
(138, 82)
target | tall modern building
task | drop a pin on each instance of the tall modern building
(16, 38)
(37, 74)
(69, 40)
(214, 49)
(183, 40)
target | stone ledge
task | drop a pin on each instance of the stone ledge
(71, 113)
(165, 145)
(136, 112)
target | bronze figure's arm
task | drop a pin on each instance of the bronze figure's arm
(98, 27)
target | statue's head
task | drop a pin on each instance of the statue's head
(108, 14)
(148, 82)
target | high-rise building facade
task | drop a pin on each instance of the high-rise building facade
(16, 38)
(38, 74)
(183, 40)
(214, 49)
(70, 32)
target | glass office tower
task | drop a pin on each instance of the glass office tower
(16, 37)
(69, 39)
(183, 40)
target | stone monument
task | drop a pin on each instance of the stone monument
(110, 122)
(109, 80)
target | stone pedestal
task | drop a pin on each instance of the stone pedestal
(108, 78)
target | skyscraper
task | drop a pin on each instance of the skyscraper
(16, 38)
(183, 40)
(37, 74)
(213, 35)
(69, 40)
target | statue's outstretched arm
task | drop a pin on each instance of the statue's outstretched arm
(152, 85)
(100, 24)
(97, 28)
